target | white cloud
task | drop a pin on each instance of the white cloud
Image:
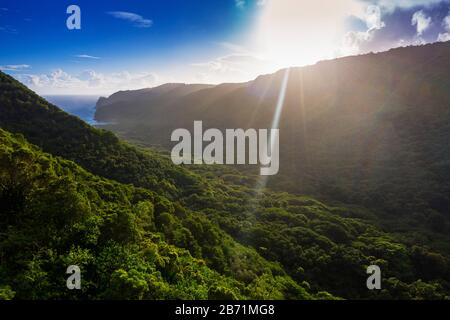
(136, 19)
(421, 21)
(238, 65)
(443, 37)
(373, 18)
(240, 3)
(354, 39)
(57, 79)
(352, 42)
(88, 81)
(128, 80)
(391, 5)
(446, 22)
(15, 67)
(92, 78)
(235, 67)
(416, 41)
(86, 56)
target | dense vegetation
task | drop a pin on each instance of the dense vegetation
(98, 151)
(324, 245)
(55, 214)
(371, 130)
(157, 231)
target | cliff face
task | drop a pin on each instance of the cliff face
(125, 104)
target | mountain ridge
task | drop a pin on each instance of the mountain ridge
(262, 239)
(278, 74)
(364, 129)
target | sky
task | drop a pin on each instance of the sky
(133, 44)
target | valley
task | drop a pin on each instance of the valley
(359, 185)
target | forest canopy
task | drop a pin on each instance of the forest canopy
(141, 227)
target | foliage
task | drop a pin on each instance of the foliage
(142, 228)
(54, 214)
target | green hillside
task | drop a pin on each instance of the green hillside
(55, 214)
(371, 130)
(156, 231)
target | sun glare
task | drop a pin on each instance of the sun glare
(299, 32)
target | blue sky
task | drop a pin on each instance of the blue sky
(135, 43)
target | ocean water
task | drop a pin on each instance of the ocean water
(81, 106)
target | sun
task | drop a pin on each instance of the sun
(300, 32)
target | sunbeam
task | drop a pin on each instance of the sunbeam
(262, 180)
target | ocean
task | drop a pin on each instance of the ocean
(80, 106)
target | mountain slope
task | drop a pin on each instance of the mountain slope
(261, 239)
(98, 151)
(54, 214)
(370, 129)
(162, 94)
